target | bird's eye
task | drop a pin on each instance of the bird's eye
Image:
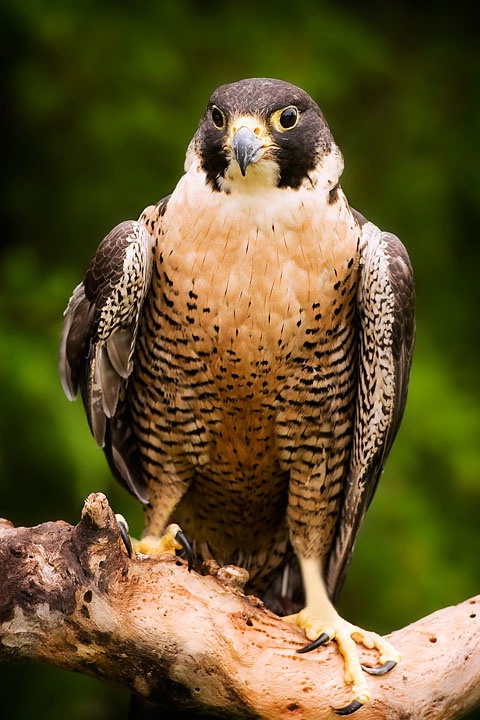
(288, 117)
(218, 118)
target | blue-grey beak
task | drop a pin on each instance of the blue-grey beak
(246, 147)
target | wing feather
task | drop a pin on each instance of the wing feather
(385, 307)
(98, 340)
(118, 349)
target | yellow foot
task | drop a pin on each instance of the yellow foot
(173, 539)
(328, 625)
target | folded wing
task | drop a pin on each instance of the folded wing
(100, 328)
(385, 314)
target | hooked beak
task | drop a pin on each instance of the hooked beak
(246, 148)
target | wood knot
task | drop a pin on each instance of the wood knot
(233, 577)
(18, 549)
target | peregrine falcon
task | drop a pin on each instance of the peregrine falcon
(243, 353)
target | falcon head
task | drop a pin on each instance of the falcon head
(264, 132)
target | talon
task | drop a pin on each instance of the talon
(123, 530)
(382, 670)
(321, 640)
(348, 709)
(181, 538)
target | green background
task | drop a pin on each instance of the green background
(101, 101)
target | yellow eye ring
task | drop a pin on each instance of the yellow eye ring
(286, 118)
(218, 117)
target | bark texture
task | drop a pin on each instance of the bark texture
(71, 597)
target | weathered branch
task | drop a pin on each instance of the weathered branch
(71, 596)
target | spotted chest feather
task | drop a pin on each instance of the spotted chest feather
(246, 350)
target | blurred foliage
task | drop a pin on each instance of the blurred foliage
(102, 98)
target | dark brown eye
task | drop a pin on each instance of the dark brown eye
(289, 118)
(218, 118)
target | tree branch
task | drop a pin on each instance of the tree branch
(71, 597)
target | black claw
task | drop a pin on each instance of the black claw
(125, 537)
(321, 640)
(187, 548)
(382, 670)
(348, 709)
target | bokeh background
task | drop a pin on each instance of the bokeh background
(101, 99)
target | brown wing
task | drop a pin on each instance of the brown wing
(98, 342)
(385, 305)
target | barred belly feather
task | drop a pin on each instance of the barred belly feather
(246, 369)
